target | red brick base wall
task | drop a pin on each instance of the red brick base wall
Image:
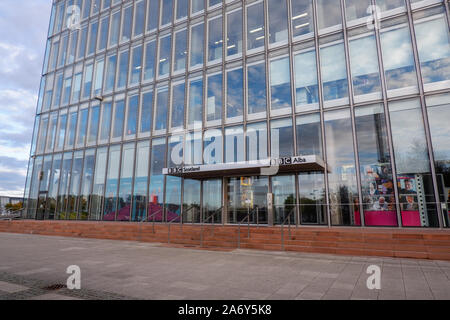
(405, 243)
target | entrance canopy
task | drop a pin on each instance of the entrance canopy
(260, 167)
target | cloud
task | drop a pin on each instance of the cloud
(23, 32)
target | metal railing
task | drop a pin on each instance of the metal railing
(146, 219)
(211, 216)
(287, 219)
(169, 223)
(250, 213)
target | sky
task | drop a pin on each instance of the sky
(23, 32)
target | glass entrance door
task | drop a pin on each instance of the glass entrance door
(247, 196)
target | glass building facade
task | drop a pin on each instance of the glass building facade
(141, 85)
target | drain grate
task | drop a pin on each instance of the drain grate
(54, 287)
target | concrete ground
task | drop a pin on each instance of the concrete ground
(31, 266)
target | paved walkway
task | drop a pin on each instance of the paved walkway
(31, 266)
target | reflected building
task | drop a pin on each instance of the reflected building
(309, 112)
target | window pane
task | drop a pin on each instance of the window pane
(164, 55)
(103, 37)
(386, 5)
(284, 199)
(156, 187)
(71, 130)
(112, 180)
(133, 103)
(280, 84)
(74, 189)
(235, 93)
(82, 127)
(343, 191)
(152, 15)
(234, 33)
(64, 186)
(92, 37)
(180, 51)
(255, 26)
(126, 24)
(82, 44)
(126, 183)
(93, 124)
(328, 14)
(364, 65)
(302, 17)
(214, 99)
(61, 131)
(86, 183)
(139, 18)
(195, 114)
(309, 135)
(110, 73)
(114, 30)
(42, 134)
(334, 72)
(256, 80)
(213, 144)
(178, 96)
(278, 28)
(119, 115)
(99, 184)
(136, 65)
(182, 8)
(234, 144)
(306, 84)
(215, 39)
(398, 58)
(106, 121)
(281, 138)
(357, 9)
(146, 112)
(166, 12)
(162, 104)
(149, 72)
(197, 6)
(412, 162)
(311, 189)
(140, 181)
(98, 84)
(256, 139)
(87, 83)
(375, 165)
(123, 70)
(197, 45)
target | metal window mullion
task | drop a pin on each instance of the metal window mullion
(352, 113)
(387, 121)
(425, 121)
(322, 112)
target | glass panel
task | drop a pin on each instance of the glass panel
(132, 116)
(386, 5)
(87, 82)
(119, 115)
(357, 9)
(256, 139)
(62, 131)
(162, 106)
(51, 137)
(234, 144)
(166, 12)
(127, 24)
(284, 199)
(71, 129)
(311, 189)
(82, 44)
(123, 70)
(112, 180)
(99, 184)
(434, 52)
(375, 165)
(280, 84)
(364, 65)
(139, 18)
(103, 37)
(398, 58)
(215, 39)
(195, 114)
(44, 176)
(173, 199)
(197, 45)
(193, 148)
(110, 73)
(114, 30)
(76, 88)
(53, 187)
(334, 72)
(343, 192)
(212, 201)
(180, 51)
(106, 122)
(140, 181)
(178, 95)
(438, 116)
(234, 33)
(155, 206)
(255, 26)
(98, 84)
(256, 81)
(416, 193)
(164, 55)
(281, 137)
(302, 17)
(214, 98)
(235, 93)
(152, 14)
(93, 29)
(82, 127)
(74, 190)
(309, 135)
(278, 28)
(306, 84)
(197, 6)
(328, 14)
(67, 90)
(191, 201)
(213, 144)
(149, 71)
(86, 184)
(136, 65)
(93, 124)
(146, 114)
(42, 134)
(126, 182)
(247, 200)
(182, 9)
(64, 186)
